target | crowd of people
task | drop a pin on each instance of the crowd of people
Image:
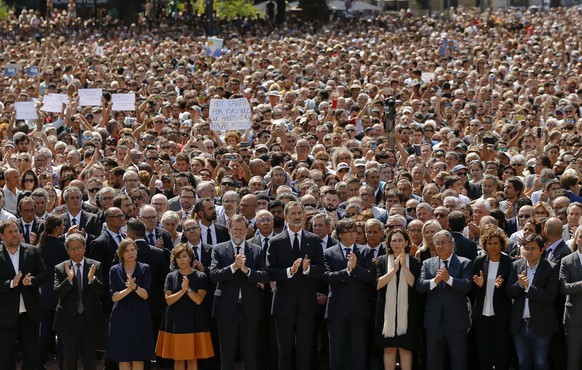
(408, 192)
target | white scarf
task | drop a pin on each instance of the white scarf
(394, 303)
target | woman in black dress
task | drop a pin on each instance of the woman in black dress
(51, 246)
(185, 332)
(397, 315)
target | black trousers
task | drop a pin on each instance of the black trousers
(79, 340)
(233, 333)
(26, 333)
(294, 333)
(494, 343)
(358, 342)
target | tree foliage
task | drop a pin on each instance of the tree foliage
(5, 10)
(228, 8)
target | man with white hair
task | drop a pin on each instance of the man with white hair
(155, 236)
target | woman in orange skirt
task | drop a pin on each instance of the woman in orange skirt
(185, 332)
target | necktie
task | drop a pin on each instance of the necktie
(296, 246)
(208, 237)
(151, 239)
(79, 276)
(237, 250)
(195, 250)
(27, 233)
(119, 238)
(266, 244)
(73, 221)
(444, 283)
(347, 250)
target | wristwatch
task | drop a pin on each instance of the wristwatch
(189, 290)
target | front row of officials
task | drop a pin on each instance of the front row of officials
(296, 262)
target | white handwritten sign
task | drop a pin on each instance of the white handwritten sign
(53, 102)
(25, 110)
(230, 114)
(123, 102)
(90, 97)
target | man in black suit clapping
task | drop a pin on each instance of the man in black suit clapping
(79, 319)
(295, 262)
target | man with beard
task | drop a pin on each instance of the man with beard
(186, 201)
(295, 262)
(276, 208)
(238, 269)
(212, 233)
(331, 201)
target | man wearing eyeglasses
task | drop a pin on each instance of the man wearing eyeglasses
(446, 279)
(155, 236)
(30, 226)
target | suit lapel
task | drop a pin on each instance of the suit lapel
(6, 258)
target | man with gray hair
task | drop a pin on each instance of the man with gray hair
(447, 281)
(230, 205)
(155, 236)
(374, 230)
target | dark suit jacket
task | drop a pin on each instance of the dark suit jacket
(174, 204)
(501, 302)
(448, 302)
(222, 234)
(68, 295)
(464, 247)
(37, 228)
(89, 221)
(570, 286)
(349, 296)
(104, 249)
(511, 226)
(298, 293)
(166, 238)
(30, 262)
(561, 251)
(541, 295)
(229, 284)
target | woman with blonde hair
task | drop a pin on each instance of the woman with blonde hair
(427, 250)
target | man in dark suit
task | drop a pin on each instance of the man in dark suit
(86, 222)
(212, 233)
(464, 247)
(154, 235)
(237, 269)
(30, 226)
(556, 250)
(22, 271)
(374, 230)
(267, 342)
(571, 287)
(348, 271)
(533, 286)
(446, 278)
(159, 267)
(295, 262)
(104, 247)
(79, 319)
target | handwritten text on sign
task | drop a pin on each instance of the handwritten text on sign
(231, 114)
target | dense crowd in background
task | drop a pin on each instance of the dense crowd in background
(408, 192)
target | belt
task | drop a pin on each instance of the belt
(526, 320)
